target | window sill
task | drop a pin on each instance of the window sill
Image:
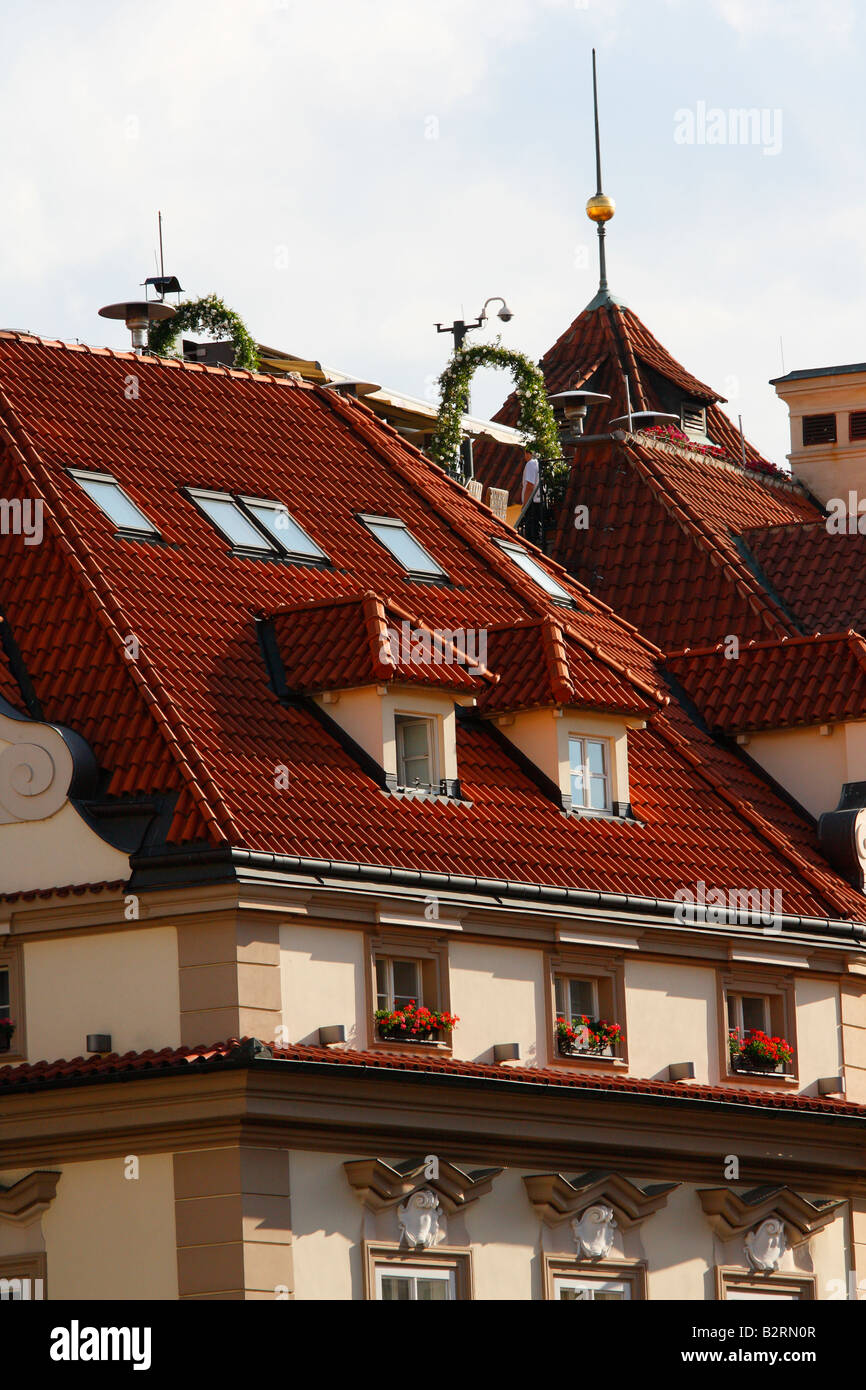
(587, 1061)
(413, 1045)
(787, 1079)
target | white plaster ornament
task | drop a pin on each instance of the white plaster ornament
(766, 1245)
(593, 1231)
(421, 1220)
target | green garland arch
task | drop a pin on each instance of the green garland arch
(211, 315)
(536, 421)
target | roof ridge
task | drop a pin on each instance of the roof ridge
(107, 610)
(767, 643)
(556, 658)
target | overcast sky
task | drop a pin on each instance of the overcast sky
(344, 174)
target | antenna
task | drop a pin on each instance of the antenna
(782, 354)
(599, 208)
(628, 402)
(743, 438)
(162, 283)
(161, 261)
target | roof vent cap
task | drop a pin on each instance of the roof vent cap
(137, 314)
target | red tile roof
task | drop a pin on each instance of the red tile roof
(657, 507)
(195, 715)
(250, 1052)
(819, 576)
(539, 665)
(369, 642)
(776, 685)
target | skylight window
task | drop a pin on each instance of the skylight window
(284, 529)
(529, 566)
(110, 497)
(257, 526)
(228, 517)
(398, 539)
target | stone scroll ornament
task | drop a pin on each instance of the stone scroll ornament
(766, 1245)
(421, 1220)
(35, 777)
(593, 1232)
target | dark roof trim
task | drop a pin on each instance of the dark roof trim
(804, 375)
(166, 870)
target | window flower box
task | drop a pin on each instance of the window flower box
(584, 1036)
(413, 1023)
(758, 1053)
(7, 1028)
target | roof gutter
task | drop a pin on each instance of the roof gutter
(149, 873)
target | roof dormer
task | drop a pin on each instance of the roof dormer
(387, 682)
(568, 711)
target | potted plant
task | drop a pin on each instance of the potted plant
(7, 1028)
(595, 1036)
(413, 1023)
(756, 1052)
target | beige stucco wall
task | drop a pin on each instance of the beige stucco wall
(367, 714)
(498, 995)
(111, 1237)
(322, 981)
(542, 736)
(507, 1239)
(810, 766)
(123, 982)
(819, 1029)
(827, 470)
(671, 1017)
(55, 852)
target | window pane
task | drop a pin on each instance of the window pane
(598, 793)
(754, 1013)
(544, 580)
(414, 738)
(405, 982)
(432, 1290)
(415, 764)
(559, 989)
(577, 771)
(114, 502)
(382, 984)
(404, 547)
(603, 1295)
(232, 522)
(4, 993)
(582, 998)
(595, 757)
(395, 1289)
(285, 530)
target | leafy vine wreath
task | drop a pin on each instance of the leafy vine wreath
(535, 422)
(211, 315)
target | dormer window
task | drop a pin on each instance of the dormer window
(589, 769)
(396, 537)
(545, 581)
(416, 752)
(693, 418)
(257, 526)
(110, 497)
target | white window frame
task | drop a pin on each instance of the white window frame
(84, 475)
(735, 1011)
(314, 556)
(388, 963)
(412, 1272)
(589, 1286)
(431, 724)
(565, 981)
(536, 572)
(604, 743)
(432, 570)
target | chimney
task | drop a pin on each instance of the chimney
(827, 408)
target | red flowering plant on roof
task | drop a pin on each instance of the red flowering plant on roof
(593, 1035)
(755, 1051)
(413, 1023)
(677, 436)
(7, 1028)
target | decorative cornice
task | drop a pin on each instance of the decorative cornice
(378, 1185)
(732, 1214)
(29, 1198)
(556, 1198)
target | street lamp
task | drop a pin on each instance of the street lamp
(458, 329)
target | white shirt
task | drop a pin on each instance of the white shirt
(530, 472)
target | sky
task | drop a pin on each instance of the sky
(345, 175)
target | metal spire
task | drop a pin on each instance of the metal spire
(599, 209)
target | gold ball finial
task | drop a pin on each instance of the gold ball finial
(600, 208)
